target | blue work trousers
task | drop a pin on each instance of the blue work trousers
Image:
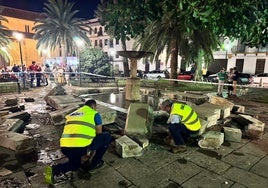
(99, 144)
(180, 133)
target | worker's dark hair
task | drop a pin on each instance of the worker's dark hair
(167, 102)
(91, 103)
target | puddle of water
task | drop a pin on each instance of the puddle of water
(118, 99)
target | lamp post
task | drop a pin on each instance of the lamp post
(79, 43)
(19, 37)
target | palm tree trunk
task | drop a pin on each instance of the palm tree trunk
(174, 61)
(125, 60)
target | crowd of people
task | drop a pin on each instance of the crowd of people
(38, 75)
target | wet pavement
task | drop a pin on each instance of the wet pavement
(235, 165)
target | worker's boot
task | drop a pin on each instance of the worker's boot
(179, 149)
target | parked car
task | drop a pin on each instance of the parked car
(156, 74)
(186, 75)
(258, 77)
(244, 78)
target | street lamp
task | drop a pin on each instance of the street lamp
(19, 38)
(79, 43)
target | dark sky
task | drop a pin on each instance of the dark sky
(86, 7)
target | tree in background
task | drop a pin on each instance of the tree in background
(4, 39)
(94, 60)
(59, 27)
(188, 28)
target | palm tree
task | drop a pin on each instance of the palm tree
(59, 28)
(4, 39)
(178, 32)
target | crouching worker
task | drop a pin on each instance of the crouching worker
(82, 134)
(183, 121)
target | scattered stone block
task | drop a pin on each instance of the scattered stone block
(4, 172)
(213, 99)
(15, 125)
(250, 123)
(4, 113)
(22, 115)
(58, 116)
(139, 119)
(17, 142)
(142, 141)
(208, 112)
(232, 134)
(126, 147)
(60, 101)
(58, 90)
(203, 128)
(29, 99)
(211, 140)
(238, 109)
(11, 102)
(108, 115)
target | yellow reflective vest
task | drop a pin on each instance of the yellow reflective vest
(79, 129)
(188, 116)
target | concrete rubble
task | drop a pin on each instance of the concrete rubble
(139, 160)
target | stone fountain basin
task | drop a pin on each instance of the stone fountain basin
(134, 54)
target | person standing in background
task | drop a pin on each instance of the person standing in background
(32, 69)
(230, 81)
(222, 76)
(38, 75)
(47, 72)
(235, 78)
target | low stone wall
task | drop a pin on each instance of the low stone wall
(8, 87)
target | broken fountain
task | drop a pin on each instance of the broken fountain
(133, 82)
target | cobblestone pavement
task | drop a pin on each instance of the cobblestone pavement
(235, 165)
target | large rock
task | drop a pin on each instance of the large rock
(61, 101)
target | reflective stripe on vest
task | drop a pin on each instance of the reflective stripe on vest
(79, 129)
(188, 116)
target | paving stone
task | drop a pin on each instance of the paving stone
(58, 116)
(134, 170)
(241, 160)
(104, 177)
(180, 170)
(253, 149)
(210, 163)
(4, 172)
(237, 185)
(261, 168)
(245, 178)
(156, 160)
(207, 179)
(6, 155)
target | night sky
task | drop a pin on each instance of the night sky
(86, 7)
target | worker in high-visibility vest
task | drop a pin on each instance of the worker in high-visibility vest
(82, 139)
(183, 122)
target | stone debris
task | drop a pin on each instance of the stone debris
(211, 140)
(126, 147)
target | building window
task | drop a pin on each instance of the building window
(100, 32)
(100, 43)
(95, 30)
(116, 41)
(106, 42)
(111, 43)
(117, 56)
(96, 43)
(90, 31)
(27, 28)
